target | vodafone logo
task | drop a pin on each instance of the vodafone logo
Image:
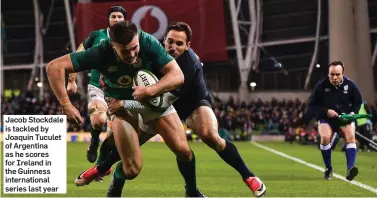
(151, 19)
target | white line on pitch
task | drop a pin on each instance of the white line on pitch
(361, 185)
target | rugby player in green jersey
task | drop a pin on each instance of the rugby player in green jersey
(97, 106)
(118, 59)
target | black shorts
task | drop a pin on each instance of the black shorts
(185, 107)
(334, 124)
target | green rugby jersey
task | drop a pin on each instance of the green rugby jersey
(118, 75)
(95, 38)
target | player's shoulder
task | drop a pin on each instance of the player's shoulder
(103, 47)
(95, 33)
(143, 36)
(190, 57)
(348, 80)
(146, 40)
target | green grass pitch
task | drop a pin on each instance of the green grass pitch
(283, 177)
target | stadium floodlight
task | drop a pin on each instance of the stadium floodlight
(39, 84)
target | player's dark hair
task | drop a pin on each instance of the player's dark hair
(117, 8)
(181, 27)
(123, 32)
(335, 63)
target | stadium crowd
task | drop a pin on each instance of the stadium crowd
(237, 120)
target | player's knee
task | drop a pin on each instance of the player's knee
(98, 120)
(131, 171)
(210, 137)
(349, 138)
(325, 139)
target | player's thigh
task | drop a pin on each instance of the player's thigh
(348, 132)
(171, 130)
(127, 142)
(203, 121)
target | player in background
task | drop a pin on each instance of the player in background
(118, 61)
(193, 105)
(332, 97)
(97, 106)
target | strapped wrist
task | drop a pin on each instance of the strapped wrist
(64, 101)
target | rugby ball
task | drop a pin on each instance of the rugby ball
(146, 78)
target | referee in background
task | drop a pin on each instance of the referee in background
(332, 97)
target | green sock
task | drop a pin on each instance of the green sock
(104, 151)
(188, 171)
(95, 134)
(119, 174)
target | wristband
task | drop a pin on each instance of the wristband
(64, 101)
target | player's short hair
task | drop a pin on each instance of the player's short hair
(182, 27)
(123, 32)
(117, 8)
(335, 63)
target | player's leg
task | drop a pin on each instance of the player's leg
(203, 121)
(349, 136)
(127, 144)
(97, 112)
(107, 146)
(325, 132)
(116, 184)
(170, 127)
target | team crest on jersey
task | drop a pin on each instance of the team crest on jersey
(345, 89)
(124, 80)
(113, 68)
(138, 63)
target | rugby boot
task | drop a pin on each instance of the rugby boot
(256, 185)
(328, 174)
(89, 175)
(352, 173)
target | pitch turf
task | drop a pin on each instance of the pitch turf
(160, 176)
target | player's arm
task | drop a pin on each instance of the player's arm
(87, 43)
(74, 62)
(315, 103)
(171, 80)
(56, 71)
(172, 74)
(356, 99)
